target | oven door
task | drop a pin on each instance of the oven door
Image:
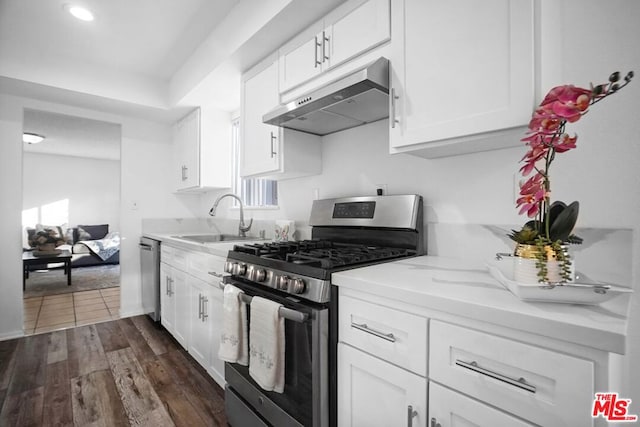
(304, 401)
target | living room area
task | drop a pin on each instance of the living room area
(70, 221)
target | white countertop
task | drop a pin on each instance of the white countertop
(217, 248)
(468, 290)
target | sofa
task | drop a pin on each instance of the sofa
(89, 245)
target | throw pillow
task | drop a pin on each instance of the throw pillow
(96, 231)
(69, 236)
(83, 234)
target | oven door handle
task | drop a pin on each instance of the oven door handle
(287, 313)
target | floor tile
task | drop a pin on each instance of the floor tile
(90, 308)
(95, 314)
(67, 296)
(86, 295)
(55, 320)
(50, 328)
(31, 302)
(57, 313)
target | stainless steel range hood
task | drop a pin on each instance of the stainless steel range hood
(358, 98)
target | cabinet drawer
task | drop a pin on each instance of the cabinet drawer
(539, 385)
(166, 254)
(179, 259)
(200, 264)
(389, 334)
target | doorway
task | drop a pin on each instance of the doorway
(71, 214)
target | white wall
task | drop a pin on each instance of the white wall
(92, 187)
(146, 152)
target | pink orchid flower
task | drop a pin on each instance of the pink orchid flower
(532, 192)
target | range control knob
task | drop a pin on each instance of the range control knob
(228, 267)
(256, 274)
(282, 283)
(239, 269)
(297, 285)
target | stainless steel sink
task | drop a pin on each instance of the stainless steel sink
(214, 238)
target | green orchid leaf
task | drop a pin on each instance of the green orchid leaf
(562, 225)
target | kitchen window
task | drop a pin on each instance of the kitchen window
(254, 192)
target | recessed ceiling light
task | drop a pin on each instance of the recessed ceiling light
(32, 138)
(80, 13)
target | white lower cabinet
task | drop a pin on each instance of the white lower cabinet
(215, 366)
(392, 357)
(174, 303)
(191, 304)
(448, 408)
(376, 393)
(200, 345)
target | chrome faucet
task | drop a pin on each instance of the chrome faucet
(242, 229)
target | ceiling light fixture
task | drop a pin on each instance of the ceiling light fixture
(80, 13)
(32, 138)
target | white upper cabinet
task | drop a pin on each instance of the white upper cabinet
(462, 75)
(348, 31)
(202, 141)
(186, 137)
(269, 151)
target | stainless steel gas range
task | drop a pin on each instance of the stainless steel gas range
(346, 233)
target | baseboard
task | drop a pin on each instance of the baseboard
(131, 312)
(11, 335)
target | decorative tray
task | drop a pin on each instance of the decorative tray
(581, 291)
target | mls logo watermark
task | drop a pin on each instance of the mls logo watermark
(612, 408)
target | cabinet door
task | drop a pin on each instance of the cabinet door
(201, 338)
(377, 393)
(301, 63)
(187, 141)
(361, 29)
(450, 409)
(167, 300)
(260, 142)
(214, 311)
(182, 324)
(460, 68)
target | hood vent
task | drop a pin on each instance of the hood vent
(358, 98)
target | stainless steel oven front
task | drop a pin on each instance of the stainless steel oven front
(305, 400)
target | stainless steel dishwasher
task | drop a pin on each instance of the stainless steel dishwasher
(150, 276)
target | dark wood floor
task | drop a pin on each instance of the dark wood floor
(119, 373)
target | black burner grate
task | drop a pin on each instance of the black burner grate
(322, 253)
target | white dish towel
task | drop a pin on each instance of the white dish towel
(233, 338)
(266, 345)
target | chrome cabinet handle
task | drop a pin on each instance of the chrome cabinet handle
(273, 139)
(214, 274)
(410, 414)
(166, 285)
(205, 303)
(315, 59)
(520, 382)
(171, 287)
(434, 423)
(325, 41)
(184, 173)
(394, 97)
(364, 328)
(199, 306)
